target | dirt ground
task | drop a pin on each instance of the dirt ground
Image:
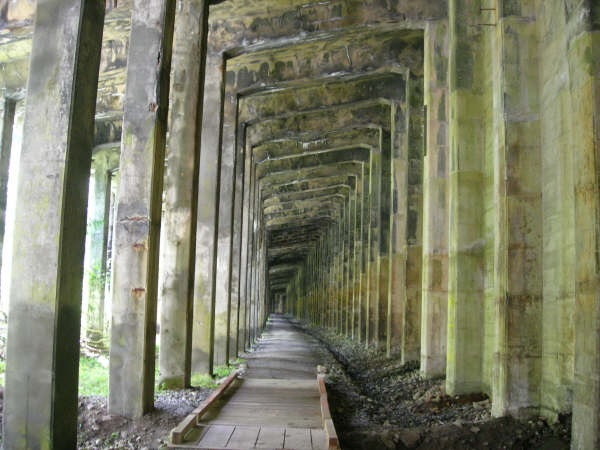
(376, 403)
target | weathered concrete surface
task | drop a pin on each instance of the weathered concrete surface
(6, 142)
(434, 306)
(133, 333)
(40, 400)
(178, 238)
(208, 207)
(465, 266)
(507, 290)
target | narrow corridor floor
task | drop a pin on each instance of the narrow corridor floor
(275, 403)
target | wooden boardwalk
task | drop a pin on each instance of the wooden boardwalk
(278, 403)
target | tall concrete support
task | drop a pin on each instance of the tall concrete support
(133, 334)
(565, 92)
(237, 306)
(8, 121)
(466, 246)
(224, 233)
(434, 305)
(411, 314)
(583, 54)
(397, 229)
(105, 160)
(208, 206)
(178, 233)
(517, 231)
(40, 400)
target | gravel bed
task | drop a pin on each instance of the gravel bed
(380, 403)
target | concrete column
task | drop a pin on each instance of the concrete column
(372, 306)
(40, 400)
(96, 256)
(208, 200)
(518, 189)
(137, 229)
(245, 222)
(8, 120)
(466, 247)
(178, 234)
(584, 89)
(224, 231)
(434, 306)
(237, 310)
(7, 241)
(397, 259)
(411, 314)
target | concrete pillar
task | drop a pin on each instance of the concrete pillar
(224, 232)
(104, 160)
(518, 228)
(584, 87)
(372, 305)
(563, 123)
(40, 400)
(237, 309)
(466, 247)
(411, 313)
(137, 230)
(208, 201)
(8, 120)
(178, 234)
(11, 203)
(434, 306)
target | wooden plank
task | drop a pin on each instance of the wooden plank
(271, 437)
(215, 395)
(332, 438)
(297, 438)
(178, 433)
(243, 437)
(183, 428)
(318, 439)
(216, 436)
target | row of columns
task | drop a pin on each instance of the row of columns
(500, 271)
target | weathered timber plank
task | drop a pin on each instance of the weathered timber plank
(216, 436)
(244, 437)
(271, 437)
(297, 438)
(318, 438)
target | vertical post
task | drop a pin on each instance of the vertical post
(466, 246)
(518, 266)
(137, 228)
(434, 307)
(8, 121)
(208, 209)
(178, 238)
(40, 409)
(411, 314)
(98, 213)
(224, 229)
(585, 91)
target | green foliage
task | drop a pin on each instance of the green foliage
(97, 278)
(93, 377)
(203, 381)
(223, 371)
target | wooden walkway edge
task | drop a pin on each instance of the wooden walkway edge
(276, 404)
